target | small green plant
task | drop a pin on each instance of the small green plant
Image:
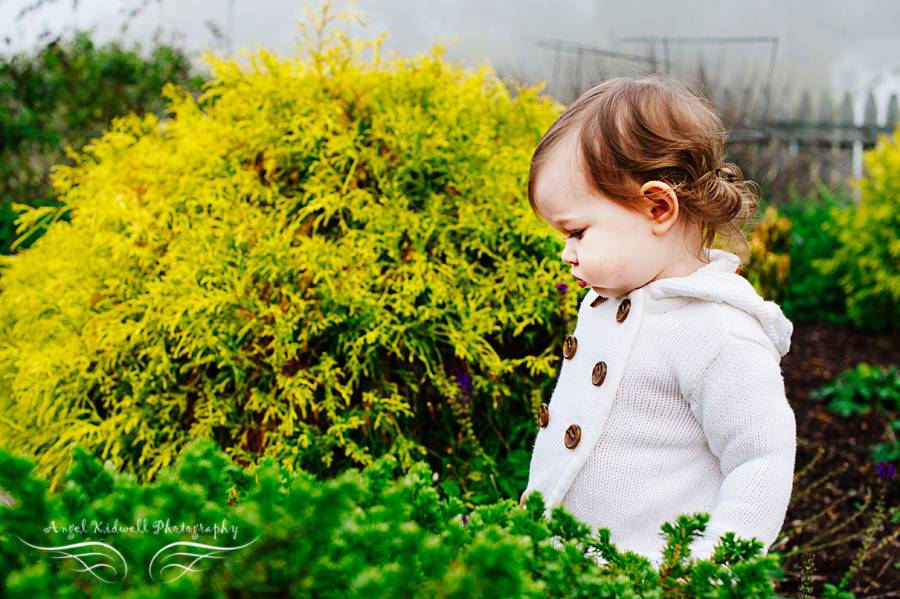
(836, 592)
(865, 389)
(806, 575)
(272, 532)
(861, 390)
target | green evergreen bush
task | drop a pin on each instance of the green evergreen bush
(323, 259)
(867, 262)
(810, 296)
(361, 534)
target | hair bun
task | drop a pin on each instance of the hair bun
(729, 172)
(722, 189)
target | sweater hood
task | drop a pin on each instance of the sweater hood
(718, 282)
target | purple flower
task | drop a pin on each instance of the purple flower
(464, 518)
(464, 384)
(886, 470)
(562, 287)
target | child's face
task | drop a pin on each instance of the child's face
(611, 248)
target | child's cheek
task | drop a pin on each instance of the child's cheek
(611, 267)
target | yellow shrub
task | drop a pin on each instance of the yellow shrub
(866, 262)
(296, 265)
(770, 260)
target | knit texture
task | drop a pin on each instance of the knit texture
(692, 416)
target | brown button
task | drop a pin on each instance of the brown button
(624, 309)
(569, 347)
(544, 415)
(573, 436)
(597, 301)
(599, 373)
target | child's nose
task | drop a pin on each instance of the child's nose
(568, 255)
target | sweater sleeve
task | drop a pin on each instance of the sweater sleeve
(741, 405)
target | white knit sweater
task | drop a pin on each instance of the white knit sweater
(691, 416)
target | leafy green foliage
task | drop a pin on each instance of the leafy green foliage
(296, 265)
(831, 591)
(867, 262)
(361, 534)
(810, 296)
(862, 390)
(67, 94)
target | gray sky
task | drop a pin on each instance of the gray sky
(834, 45)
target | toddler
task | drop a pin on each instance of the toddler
(670, 399)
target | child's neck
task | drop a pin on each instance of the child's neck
(685, 246)
(688, 265)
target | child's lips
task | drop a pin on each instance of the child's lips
(581, 283)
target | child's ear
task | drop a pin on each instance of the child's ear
(661, 206)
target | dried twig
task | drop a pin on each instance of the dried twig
(809, 546)
(815, 517)
(820, 451)
(808, 489)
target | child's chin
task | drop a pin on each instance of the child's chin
(608, 292)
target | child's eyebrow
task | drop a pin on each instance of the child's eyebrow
(562, 222)
(558, 233)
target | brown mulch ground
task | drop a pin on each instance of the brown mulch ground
(835, 485)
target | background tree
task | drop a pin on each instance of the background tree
(65, 95)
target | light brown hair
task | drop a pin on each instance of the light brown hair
(653, 128)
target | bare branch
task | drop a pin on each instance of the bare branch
(133, 13)
(215, 30)
(33, 7)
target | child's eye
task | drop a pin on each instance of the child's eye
(576, 234)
